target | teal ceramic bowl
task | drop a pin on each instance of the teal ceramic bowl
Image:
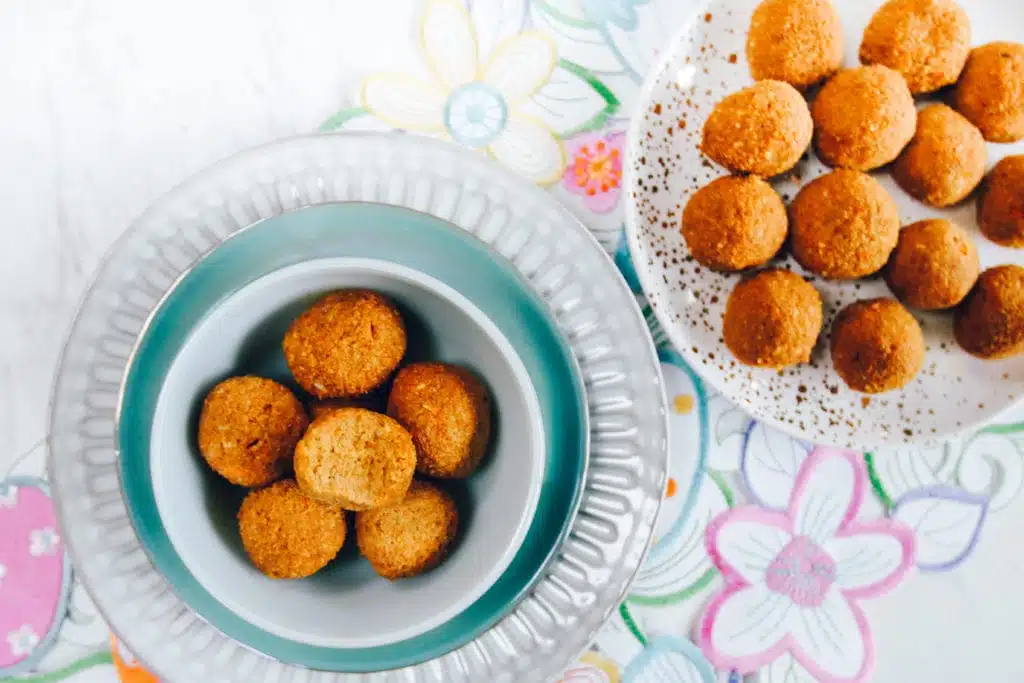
(407, 239)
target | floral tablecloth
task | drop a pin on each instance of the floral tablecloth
(768, 564)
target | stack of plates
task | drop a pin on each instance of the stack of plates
(425, 210)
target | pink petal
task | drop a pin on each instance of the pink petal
(34, 586)
(603, 202)
(744, 628)
(833, 642)
(829, 489)
(872, 557)
(573, 145)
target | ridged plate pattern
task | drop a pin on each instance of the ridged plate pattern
(551, 249)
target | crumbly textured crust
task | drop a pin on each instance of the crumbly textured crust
(772, 319)
(926, 41)
(762, 129)
(248, 428)
(934, 266)
(877, 346)
(863, 118)
(990, 322)
(799, 42)
(734, 223)
(448, 412)
(409, 537)
(1001, 205)
(346, 344)
(288, 535)
(991, 91)
(843, 225)
(356, 459)
(946, 159)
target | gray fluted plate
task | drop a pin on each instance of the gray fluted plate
(554, 252)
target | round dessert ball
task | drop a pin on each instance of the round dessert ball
(877, 346)
(248, 428)
(946, 159)
(990, 323)
(287, 534)
(772, 319)
(1001, 205)
(863, 118)
(448, 413)
(991, 91)
(356, 459)
(763, 129)
(934, 266)
(409, 537)
(843, 225)
(926, 41)
(734, 223)
(799, 42)
(345, 344)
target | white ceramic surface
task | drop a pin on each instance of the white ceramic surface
(705, 63)
(593, 307)
(347, 605)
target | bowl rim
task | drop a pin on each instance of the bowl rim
(535, 440)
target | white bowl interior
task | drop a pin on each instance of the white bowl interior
(346, 604)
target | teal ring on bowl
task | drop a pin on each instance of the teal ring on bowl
(417, 241)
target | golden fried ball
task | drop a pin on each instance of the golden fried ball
(763, 129)
(877, 346)
(248, 428)
(734, 223)
(863, 118)
(843, 225)
(926, 41)
(799, 42)
(946, 159)
(990, 322)
(934, 266)
(448, 413)
(991, 91)
(409, 537)
(356, 459)
(345, 344)
(772, 319)
(1001, 205)
(287, 534)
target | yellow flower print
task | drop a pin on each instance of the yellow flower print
(474, 101)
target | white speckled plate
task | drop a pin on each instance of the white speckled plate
(592, 306)
(706, 62)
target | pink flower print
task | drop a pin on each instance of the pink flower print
(794, 578)
(595, 169)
